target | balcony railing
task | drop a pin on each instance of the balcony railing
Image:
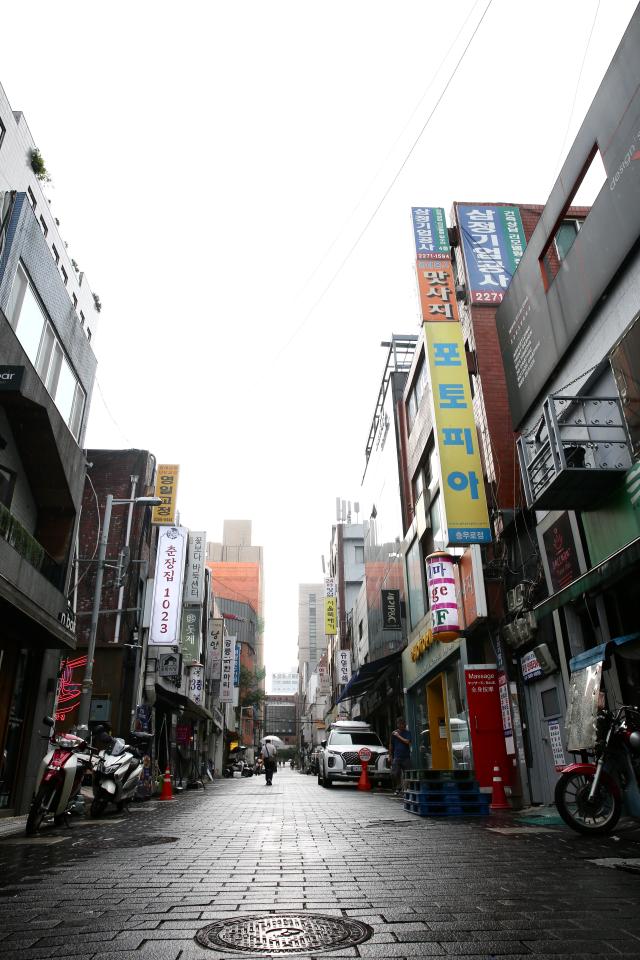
(29, 549)
(576, 454)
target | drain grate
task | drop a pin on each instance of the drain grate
(283, 933)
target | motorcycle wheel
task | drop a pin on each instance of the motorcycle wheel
(98, 807)
(40, 806)
(578, 812)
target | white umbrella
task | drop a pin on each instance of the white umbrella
(272, 738)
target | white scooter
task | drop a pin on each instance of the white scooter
(59, 779)
(116, 775)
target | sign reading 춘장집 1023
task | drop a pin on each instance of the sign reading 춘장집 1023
(430, 233)
(493, 242)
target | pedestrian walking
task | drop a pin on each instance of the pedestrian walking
(400, 753)
(269, 754)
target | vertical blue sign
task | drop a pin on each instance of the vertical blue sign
(493, 242)
(430, 232)
(236, 666)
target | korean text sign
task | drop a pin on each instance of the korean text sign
(167, 490)
(436, 288)
(194, 577)
(190, 635)
(330, 616)
(167, 587)
(196, 683)
(465, 512)
(228, 664)
(493, 242)
(430, 232)
(344, 666)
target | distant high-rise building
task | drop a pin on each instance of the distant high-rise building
(311, 637)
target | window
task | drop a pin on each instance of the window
(64, 275)
(7, 483)
(3, 130)
(32, 199)
(75, 301)
(415, 584)
(39, 341)
(359, 554)
(45, 228)
(584, 192)
(567, 232)
(56, 255)
(417, 391)
(81, 318)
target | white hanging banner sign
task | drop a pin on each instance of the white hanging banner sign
(167, 587)
(196, 683)
(344, 666)
(214, 647)
(330, 587)
(228, 665)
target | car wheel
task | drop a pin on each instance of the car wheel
(320, 780)
(328, 782)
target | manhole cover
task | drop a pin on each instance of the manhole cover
(283, 933)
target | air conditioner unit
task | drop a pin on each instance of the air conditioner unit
(510, 635)
(516, 598)
(461, 292)
(523, 630)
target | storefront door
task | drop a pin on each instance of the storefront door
(438, 724)
(546, 707)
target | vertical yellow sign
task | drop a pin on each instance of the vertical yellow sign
(330, 616)
(465, 505)
(167, 489)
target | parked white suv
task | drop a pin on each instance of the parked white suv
(338, 759)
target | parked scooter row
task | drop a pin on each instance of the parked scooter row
(115, 768)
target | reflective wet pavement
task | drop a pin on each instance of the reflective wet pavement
(141, 886)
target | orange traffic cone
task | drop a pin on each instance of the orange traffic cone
(499, 798)
(166, 793)
(364, 783)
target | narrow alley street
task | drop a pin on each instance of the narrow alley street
(143, 885)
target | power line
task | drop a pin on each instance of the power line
(386, 193)
(575, 94)
(388, 155)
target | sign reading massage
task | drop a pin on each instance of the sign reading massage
(167, 586)
(492, 244)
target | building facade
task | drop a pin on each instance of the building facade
(46, 381)
(570, 340)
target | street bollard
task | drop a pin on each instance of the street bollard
(365, 756)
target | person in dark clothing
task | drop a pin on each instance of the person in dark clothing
(269, 754)
(400, 752)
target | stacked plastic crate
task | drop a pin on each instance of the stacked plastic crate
(444, 793)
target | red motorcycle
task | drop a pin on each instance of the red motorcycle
(59, 778)
(590, 797)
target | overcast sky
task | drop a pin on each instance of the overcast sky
(213, 166)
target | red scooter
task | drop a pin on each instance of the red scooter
(59, 778)
(590, 797)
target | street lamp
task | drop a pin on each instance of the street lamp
(87, 683)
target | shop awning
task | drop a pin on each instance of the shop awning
(597, 654)
(366, 676)
(609, 570)
(176, 700)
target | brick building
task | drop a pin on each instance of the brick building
(125, 474)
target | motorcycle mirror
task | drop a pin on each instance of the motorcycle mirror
(48, 721)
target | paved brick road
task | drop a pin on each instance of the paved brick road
(427, 887)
